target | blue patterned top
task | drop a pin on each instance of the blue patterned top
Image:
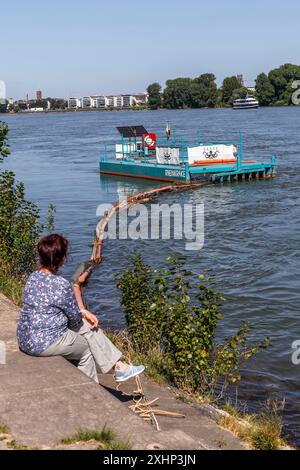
(49, 309)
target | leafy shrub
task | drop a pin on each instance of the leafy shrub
(164, 314)
(4, 151)
(20, 228)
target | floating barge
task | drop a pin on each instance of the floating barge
(141, 154)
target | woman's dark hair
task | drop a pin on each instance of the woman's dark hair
(52, 251)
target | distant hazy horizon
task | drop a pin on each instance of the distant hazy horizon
(66, 49)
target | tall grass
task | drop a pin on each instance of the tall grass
(11, 287)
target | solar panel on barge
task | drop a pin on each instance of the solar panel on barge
(132, 131)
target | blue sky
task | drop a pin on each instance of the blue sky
(70, 48)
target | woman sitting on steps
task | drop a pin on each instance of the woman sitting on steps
(53, 323)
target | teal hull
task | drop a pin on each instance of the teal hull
(186, 173)
(145, 170)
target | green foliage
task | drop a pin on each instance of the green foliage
(159, 366)
(11, 287)
(240, 93)
(260, 431)
(137, 298)
(229, 86)
(165, 316)
(154, 100)
(177, 94)
(20, 106)
(14, 445)
(282, 79)
(266, 432)
(106, 439)
(4, 151)
(276, 88)
(20, 228)
(191, 93)
(4, 429)
(58, 103)
(3, 106)
(38, 104)
(204, 91)
(265, 91)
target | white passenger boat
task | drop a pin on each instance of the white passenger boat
(246, 103)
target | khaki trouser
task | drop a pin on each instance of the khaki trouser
(87, 348)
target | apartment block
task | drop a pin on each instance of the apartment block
(74, 103)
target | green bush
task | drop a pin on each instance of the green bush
(20, 228)
(4, 151)
(171, 312)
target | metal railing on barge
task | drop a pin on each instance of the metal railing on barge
(133, 150)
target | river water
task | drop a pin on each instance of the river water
(252, 230)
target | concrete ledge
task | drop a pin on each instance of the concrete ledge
(43, 400)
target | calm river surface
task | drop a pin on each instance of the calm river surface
(252, 230)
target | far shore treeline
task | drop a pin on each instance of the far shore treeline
(272, 89)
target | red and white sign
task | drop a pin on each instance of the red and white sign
(149, 140)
